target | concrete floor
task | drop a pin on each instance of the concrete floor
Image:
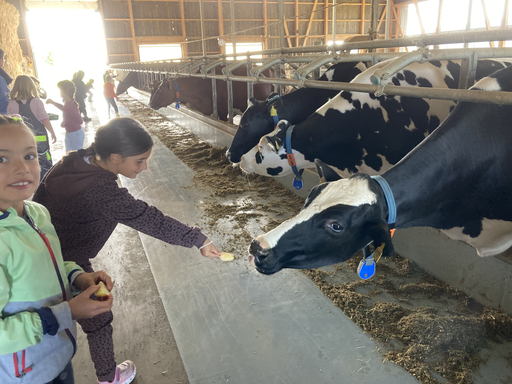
(182, 318)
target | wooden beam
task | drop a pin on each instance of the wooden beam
(221, 24)
(132, 26)
(310, 23)
(399, 26)
(381, 19)
(265, 24)
(361, 29)
(184, 47)
(296, 23)
(326, 20)
(419, 17)
(287, 32)
(504, 20)
(487, 23)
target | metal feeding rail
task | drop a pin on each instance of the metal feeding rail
(307, 60)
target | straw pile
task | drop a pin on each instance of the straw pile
(9, 20)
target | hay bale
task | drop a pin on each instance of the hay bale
(9, 41)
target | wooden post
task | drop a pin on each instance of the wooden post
(326, 20)
(361, 29)
(504, 20)
(221, 24)
(265, 23)
(184, 46)
(487, 24)
(132, 25)
(296, 23)
(419, 17)
(310, 22)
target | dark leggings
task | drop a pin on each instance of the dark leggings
(65, 377)
(112, 102)
(81, 107)
(101, 346)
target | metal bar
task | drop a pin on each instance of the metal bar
(468, 72)
(201, 13)
(265, 29)
(230, 101)
(374, 19)
(388, 21)
(277, 70)
(214, 97)
(445, 38)
(296, 23)
(250, 85)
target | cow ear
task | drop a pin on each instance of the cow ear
(380, 234)
(274, 143)
(282, 125)
(325, 172)
(252, 101)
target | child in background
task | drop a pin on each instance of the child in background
(89, 86)
(71, 119)
(37, 308)
(25, 102)
(86, 204)
(81, 93)
(5, 80)
(110, 95)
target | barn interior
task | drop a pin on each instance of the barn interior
(436, 312)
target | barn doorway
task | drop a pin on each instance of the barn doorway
(65, 41)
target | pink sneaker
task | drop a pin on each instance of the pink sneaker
(125, 373)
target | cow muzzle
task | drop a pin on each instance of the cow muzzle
(260, 253)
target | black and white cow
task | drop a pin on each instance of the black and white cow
(293, 107)
(458, 180)
(358, 132)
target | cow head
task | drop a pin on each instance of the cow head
(255, 122)
(122, 87)
(338, 218)
(163, 96)
(268, 158)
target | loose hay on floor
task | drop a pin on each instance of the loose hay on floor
(429, 328)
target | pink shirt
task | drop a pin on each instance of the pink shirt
(36, 106)
(71, 116)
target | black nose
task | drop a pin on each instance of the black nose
(257, 251)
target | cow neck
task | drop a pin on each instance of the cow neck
(441, 171)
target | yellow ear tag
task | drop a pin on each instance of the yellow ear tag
(378, 252)
(277, 145)
(273, 111)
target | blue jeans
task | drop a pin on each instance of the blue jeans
(65, 377)
(74, 140)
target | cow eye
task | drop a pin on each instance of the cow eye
(336, 227)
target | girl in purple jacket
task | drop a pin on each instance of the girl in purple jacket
(86, 204)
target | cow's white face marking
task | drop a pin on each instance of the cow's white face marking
(329, 74)
(271, 159)
(495, 237)
(353, 192)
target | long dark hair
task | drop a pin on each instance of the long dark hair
(122, 136)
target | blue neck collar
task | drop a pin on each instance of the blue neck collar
(177, 94)
(297, 181)
(390, 199)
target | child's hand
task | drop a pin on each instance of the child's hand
(49, 101)
(83, 307)
(62, 124)
(210, 251)
(54, 138)
(85, 280)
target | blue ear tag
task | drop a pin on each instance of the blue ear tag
(297, 183)
(366, 268)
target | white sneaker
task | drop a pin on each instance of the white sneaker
(125, 373)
